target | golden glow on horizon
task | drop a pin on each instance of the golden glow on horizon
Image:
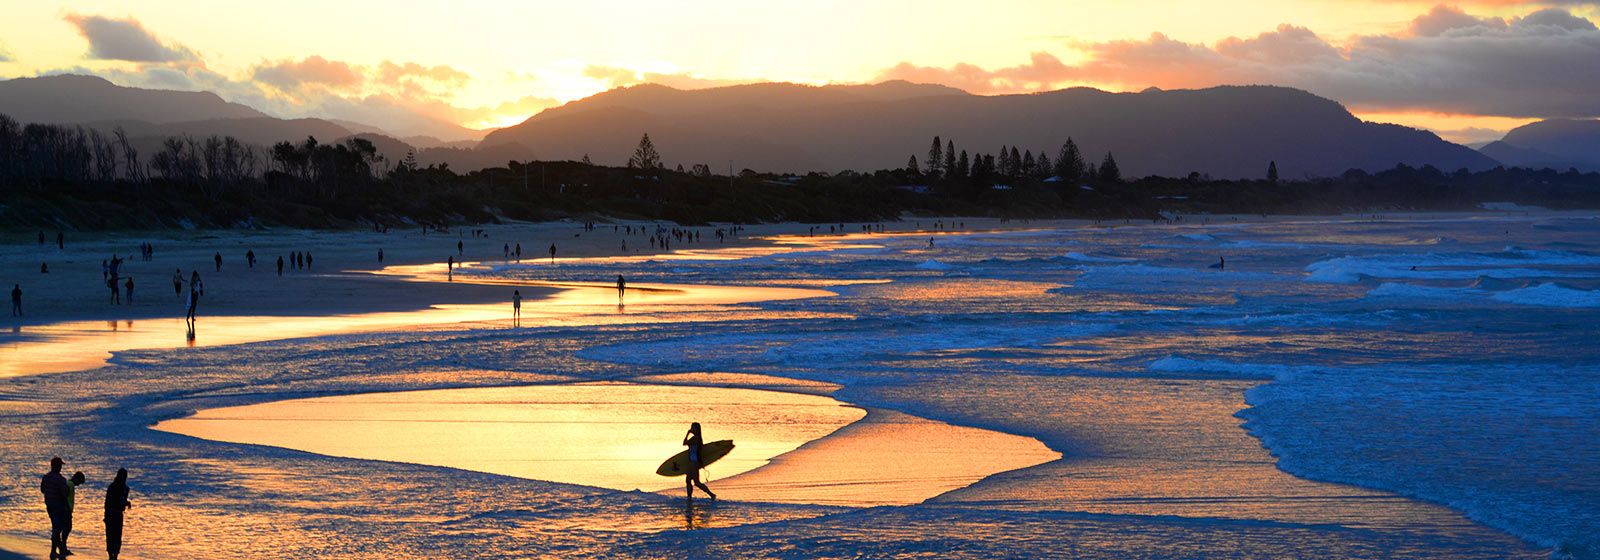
(555, 52)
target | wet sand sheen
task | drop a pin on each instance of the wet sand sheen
(78, 345)
(614, 435)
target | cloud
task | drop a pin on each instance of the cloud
(1043, 71)
(125, 39)
(292, 77)
(1544, 64)
(616, 76)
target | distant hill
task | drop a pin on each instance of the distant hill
(1223, 131)
(1555, 143)
(70, 99)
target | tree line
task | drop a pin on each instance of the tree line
(69, 176)
(943, 162)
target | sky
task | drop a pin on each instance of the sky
(1468, 71)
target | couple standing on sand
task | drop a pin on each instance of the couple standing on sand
(60, 497)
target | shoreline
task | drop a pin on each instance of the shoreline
(1076, 466)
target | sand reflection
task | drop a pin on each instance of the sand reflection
(614, 435)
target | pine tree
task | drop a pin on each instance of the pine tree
(935, 156)
(1109, 171)
(680, 168)
(949, 157)
(645, 158)
(1016, 162)
(586, 160)
(1004, 165)
(1272, 172)
(1069, 163)
(1028, 164)
(1044, 165)
(912, 167)
(963, 167)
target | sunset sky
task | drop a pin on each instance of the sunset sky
(1469, 71)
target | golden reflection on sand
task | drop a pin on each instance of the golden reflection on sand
(614, 435)
(78, 345)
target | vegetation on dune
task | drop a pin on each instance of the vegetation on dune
(68, 177)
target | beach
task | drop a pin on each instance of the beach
(1148, 402)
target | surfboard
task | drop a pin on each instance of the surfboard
(678, 465)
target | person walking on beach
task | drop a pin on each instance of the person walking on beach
(450, 268)
(516, 307)
(128, 285)
(217, 258)
(55, 488)
(380, 256)
(250, 258)
(460, 250)
(280, 265)
(518, 252)
(177, 282)
(694, 440)
(622, 286)
(308, 260)
(552, 253)
(116, 503)
(116, 297)
(16, 300)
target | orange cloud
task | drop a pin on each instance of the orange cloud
(1543, 64)
(289, 76)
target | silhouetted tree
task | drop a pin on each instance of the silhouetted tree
(963, 167)
(912, 167)
(1028, 164)
(645, 157)
(1069, 162)
(1004, 165)
(949, 165)
(1272, 172)
(935, 156)
(1109, 171)
(586, 160)
(1042, 167)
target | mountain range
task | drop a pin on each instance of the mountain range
(1227, 132)
(1555, 143)
(1222, 131)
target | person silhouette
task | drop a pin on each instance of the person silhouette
(72, 504)
(217, 258)
(622, 286)
(691, 479)
(516, 307)
(16, 300)
(116, 503)
(280, 265)
(552, 253)
(128, 285)
(55, 488)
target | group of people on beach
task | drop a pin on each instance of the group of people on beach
(60, 503)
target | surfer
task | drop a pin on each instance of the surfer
(1222, 263)
(692, 477)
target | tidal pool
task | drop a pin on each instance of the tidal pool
(615, 434)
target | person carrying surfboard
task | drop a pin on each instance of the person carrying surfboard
(692, 477)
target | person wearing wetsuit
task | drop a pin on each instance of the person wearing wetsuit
(695, 441)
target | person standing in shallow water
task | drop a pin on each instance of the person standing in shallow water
(16, 300)
(72, 505)
(116, 503)
(622, 286)
(691, 479)
(54, 488)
